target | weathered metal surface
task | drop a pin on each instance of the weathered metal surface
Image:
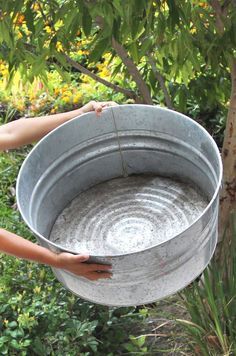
(127, 215)
(128, 140)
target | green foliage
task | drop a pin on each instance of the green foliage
(8, 114)
(211, 302)
(37, 315)
(182, 38)
(137, 345)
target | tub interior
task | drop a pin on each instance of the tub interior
(127, 215)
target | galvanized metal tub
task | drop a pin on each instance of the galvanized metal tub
(125, 140)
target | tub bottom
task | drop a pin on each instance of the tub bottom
(127, 215)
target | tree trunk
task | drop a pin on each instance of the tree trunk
(228, 194)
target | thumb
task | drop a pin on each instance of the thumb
(98, 111)
(81, 258)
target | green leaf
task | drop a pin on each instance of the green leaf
(139, 31)
(134, 52)
(38, 347)
(74, 27)
(39, 25)
(86, 21)
(145, 47)
(130, 347)
(134, 24)
(29, 17)
(173, 14)
(5, 34)
(3, 340)
(12, 324)
(152, 80)
(68, 17)
(117, 69)
(116, 29)
(98, 50)
(16, 8)
(182, 99)
(117, 5)
(26, 343)
(109, 14)
(38, 66)
(141, 340)
(65, 76)
(61, 59)
(140, 6)
(195, 61)
(15, 344)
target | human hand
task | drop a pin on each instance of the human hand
(74, 264)
(97, 106)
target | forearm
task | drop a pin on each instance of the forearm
(25, 131)
(15, 245)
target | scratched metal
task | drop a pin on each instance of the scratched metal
(150, 146)
(127, 215)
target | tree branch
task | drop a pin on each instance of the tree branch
(221, 13)
(129, 93)
(161, 81)
(142, 86)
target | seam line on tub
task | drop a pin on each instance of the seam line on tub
(125, 174)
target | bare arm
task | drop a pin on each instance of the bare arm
(25, 131)
(17, 246)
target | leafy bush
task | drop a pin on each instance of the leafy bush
(205, 99)
(37, 315)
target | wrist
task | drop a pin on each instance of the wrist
(53, 259)
(57, 262)
(88, 107)
(75, 113)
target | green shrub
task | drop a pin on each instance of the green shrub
(37, 315)
(211, 303)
